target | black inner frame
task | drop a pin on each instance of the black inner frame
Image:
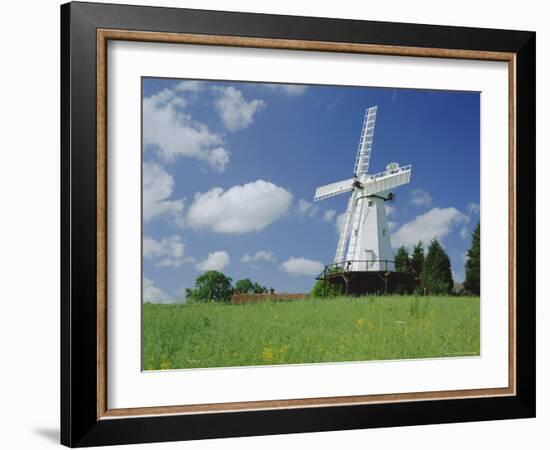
(79, 424)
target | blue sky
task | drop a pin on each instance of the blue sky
(230, 169)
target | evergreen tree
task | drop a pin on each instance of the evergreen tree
(402, 262)
(471, 283)
(417, 263)
(211, 286)
(436, 274)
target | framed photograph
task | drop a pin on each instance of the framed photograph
(276, 224)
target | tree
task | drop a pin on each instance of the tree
(320, 290)
(416, 265)
(248, 287)
(436, 275)
(325, 289)
(211, 286)
(471, 283)
(402, 261)
(417, 260)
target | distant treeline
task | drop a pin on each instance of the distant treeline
(431, 271)
(214, 286)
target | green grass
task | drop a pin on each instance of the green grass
(309, 331)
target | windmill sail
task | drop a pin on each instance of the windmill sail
(356, 227)
(330, 190)
(344, 233)
(387, 180)
(365, 143)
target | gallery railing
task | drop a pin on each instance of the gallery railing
(390, 172)
(365, 265)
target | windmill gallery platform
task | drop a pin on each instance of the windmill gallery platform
(367, 282)
(364, 261)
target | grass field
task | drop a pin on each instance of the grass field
(309, 331)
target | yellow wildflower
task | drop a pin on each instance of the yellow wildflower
(165, 363)
(267, 354)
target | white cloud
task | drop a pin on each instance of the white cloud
(390, 210)
(218, 158)
(190, 86)
(464, 233)
(292, 90)
(419, 197)
(164, 97)
(310, 210)
(437, 222)
(329, 215)
(302, 266)
(174, 133)
(240, 209)
(153, 294)
(158, 186)
(236, 113)
(261, 255)
(168, 252)
(392, 225)
(307, 209)
(215, 261)
(473, 208)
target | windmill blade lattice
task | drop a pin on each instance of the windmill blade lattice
(365, 142)
(330, 190)
(344, 234)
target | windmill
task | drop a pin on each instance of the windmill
(364, 244)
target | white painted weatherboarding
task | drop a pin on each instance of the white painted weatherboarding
(364, 243)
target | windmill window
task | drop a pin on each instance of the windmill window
(383, 232)
(370, 202)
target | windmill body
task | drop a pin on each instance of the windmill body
(364, 244)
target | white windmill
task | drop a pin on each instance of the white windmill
(364, 244)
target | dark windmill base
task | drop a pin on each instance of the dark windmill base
(369, 283)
